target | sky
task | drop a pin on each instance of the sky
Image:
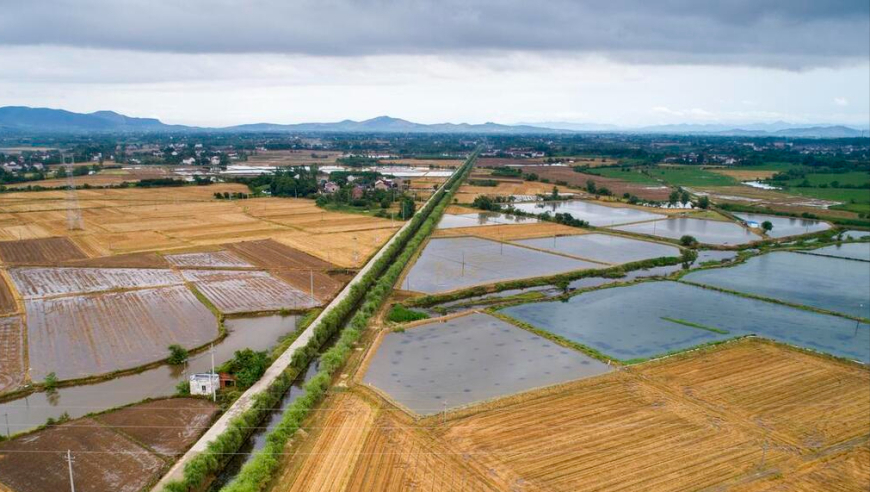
(620, 62)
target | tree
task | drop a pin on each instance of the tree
(555, 194)
(767, 226)
(673, 198)
(688, 256)
(50, 381)
(407, 208)
(177, 355)
(684, 197)
(590, 186)
(688, 241)
(704, 202)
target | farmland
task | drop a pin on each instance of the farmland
(235, 291)
(618, 182)
(748, 415)
(122, 451)
(12, 357)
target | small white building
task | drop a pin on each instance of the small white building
(204, 383)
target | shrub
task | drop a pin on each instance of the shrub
(688, 241)
(177, 355)
(401, 314)
(50, 381)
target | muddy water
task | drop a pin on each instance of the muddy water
(259, 333)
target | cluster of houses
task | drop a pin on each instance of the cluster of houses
(384, 184)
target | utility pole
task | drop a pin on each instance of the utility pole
(7, 421)
(311, 272)
(463, 263)
(213, 389)
(69, 460)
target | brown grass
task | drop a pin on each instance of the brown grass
(744, 174)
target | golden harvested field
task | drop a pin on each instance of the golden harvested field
(744, 174)
(749, 415)
(7, 298)
(122, 221)
(509, 232)
(108, 177)
(12, 360)
(467, 194)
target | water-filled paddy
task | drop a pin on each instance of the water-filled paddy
(856, 234)
(603, 247)
(834, 284)
(705, 231)
(450, 221)
(453, 263)
(470, 359)
(597, 215)
(787, 226)
(855, 251)
(629, 322)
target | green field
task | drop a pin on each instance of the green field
(850, 178)
(630, 174)
(853, 200)
(692, 176)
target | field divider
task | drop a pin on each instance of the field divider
(193, 470)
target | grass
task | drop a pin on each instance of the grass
(696, 325)
(401, 314)
(630, 174)
(692, 176)
(861, 198)
(850, 178)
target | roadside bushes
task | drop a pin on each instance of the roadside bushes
(401, 314)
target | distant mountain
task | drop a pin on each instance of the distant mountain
(22, 118)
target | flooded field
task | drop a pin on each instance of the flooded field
(603, 247)
(856, 234)
(787, 226)
(453, 263)
(833, 284)
(597, 215)
(82, 336)
(470, 359)
(214, 259)
(855, 251)
(451, 221)
(236, 291)
(259, 333)
(705, 231)
(44, 282)
(654, 318)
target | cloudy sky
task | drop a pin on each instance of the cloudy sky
(625, 62)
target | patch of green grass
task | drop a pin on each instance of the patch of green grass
(401, 314)
(630, 174)
(851, 178)
(696, 325)
(847, 196)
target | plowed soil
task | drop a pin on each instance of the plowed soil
(46, 251)
(617, 186)
(12, 366)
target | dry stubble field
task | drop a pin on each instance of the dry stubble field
(749, 415)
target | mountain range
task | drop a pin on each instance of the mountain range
(26, 119)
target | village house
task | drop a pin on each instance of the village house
(330, 187)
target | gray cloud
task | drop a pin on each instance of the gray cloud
(793, 34)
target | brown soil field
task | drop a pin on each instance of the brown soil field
(123, 221)
(39, 251)
(7, 298)
(467, 193)
(359, 446)
(744, 174)
(592, 161)
(749, 415)
(104, 460)
(168, 427)
(505, 161)
(511, 231)
(208, 259)
(617, 186)
(292, 157)
(325, 286)
(105, 178)
(270, 254)
(12, 362)
(81, 336)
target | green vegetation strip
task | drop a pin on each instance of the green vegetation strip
(696, 325)
(365, 298)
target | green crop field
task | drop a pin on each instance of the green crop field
(851, 178)
(630, 174)
(692, 176)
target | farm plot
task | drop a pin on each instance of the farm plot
(81, 336)
(787, 226)
(508, 232)
(655, 318)
(237, 291)
(802, 399)
(705, 231)
(46, 251)
(210, 259)
(597, 215)
(168, 427)
(467, 193)
(428, 368)
(271, 254)
(834, 284)
(452, 263)
(603, 247)
(361, 447)
(105, 460)
(610, 433)
(617, 182)
(12, 365)
(44, 282)
(133, 260)
(854, 251)
(449, 221)
(844, 471)
(7, 298)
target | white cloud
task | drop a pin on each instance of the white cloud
(841, 101)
